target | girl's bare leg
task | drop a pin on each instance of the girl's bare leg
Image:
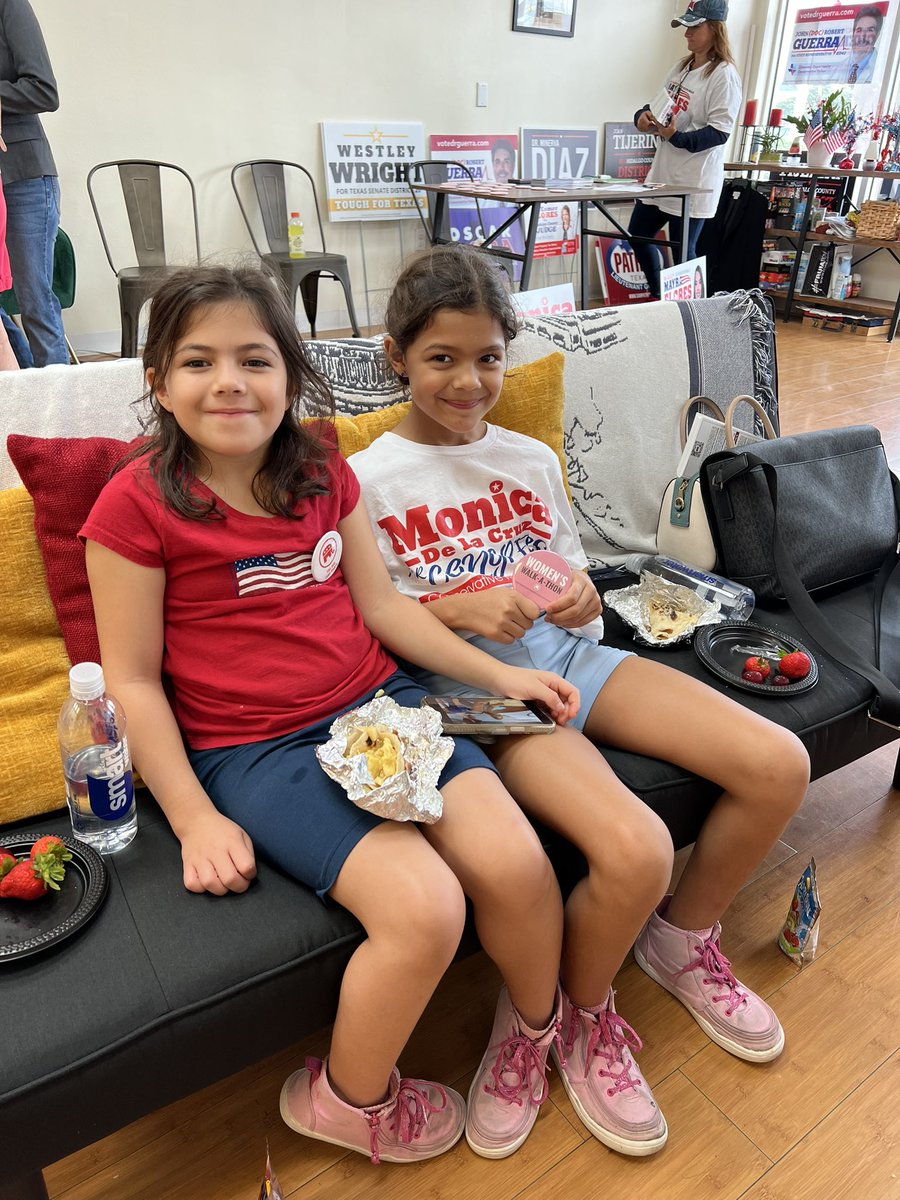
(413, 910)
(762, 768)
(495, 854)
(564, 781)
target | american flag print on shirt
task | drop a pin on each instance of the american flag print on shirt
(273, 572)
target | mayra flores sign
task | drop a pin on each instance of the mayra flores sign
(365, 168)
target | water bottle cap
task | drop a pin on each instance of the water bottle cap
(86, 681)
(295, 215)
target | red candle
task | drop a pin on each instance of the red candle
(775, 116)
(750, 113)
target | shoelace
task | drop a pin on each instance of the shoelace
(718, 971)
(609, 1036)
(521, 1058)
(407, 1116)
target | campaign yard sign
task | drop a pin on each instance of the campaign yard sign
(365, 168)
(546, 301)
(627, 153)
(558, 155)
(490, 158)
(685, 281)
(620, 273)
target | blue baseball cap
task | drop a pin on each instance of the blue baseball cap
(699, 11)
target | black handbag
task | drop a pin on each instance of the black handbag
(807, 512)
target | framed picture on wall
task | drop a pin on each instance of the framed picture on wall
(553, 17)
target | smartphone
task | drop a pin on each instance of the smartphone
(480, 716)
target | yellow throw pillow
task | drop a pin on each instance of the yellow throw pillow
(34, 668)
(531, 402)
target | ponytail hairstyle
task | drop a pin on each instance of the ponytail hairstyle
(295, 466)
(455, 278)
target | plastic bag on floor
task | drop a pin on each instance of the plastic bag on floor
(270, 1188)
(800, 932)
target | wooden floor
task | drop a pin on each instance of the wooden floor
(821, 1122)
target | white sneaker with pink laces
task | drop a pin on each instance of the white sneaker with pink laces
(602, 1080)
(690, 964)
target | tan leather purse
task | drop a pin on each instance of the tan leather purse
(682, 530)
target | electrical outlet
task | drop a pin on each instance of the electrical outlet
(481, 95)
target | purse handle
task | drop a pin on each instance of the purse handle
(702, 402)
(768, 427)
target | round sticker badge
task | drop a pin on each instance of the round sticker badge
(542, 576)
(326, 556)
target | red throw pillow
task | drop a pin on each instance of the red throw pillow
(64, 476)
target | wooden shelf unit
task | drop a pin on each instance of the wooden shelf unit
(811, 177)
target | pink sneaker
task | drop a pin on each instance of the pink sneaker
(693, 968)
(418, 1120)
(603, 1082)
(510, 1085)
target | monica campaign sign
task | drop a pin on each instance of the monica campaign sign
(365, 168)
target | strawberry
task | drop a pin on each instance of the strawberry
(795, 665)
(7, 861)
(23, 882)
(51, 847)
(758, 664)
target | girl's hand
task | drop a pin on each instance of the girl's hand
(217, 856)
(558, 696)
(580, 604)
(498, 613)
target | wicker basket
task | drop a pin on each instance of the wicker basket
(879, 219)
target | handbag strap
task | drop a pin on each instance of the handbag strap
(768, 427)
(885, 707)
(696, 402)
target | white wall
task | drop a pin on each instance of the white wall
(208, 83)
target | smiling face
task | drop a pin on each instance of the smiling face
(226, 387)
(455, 368)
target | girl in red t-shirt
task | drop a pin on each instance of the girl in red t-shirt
(197, 553)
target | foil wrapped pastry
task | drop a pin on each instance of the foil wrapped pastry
(388, 759)
(661, 613)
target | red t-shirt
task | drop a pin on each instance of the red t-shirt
(254, 646)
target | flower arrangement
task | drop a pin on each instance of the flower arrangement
(836, 112)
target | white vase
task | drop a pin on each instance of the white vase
(817, 155)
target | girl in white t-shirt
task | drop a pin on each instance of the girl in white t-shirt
(454, 503)
(705, 93)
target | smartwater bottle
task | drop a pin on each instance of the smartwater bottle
(735, 601)
(96, 763)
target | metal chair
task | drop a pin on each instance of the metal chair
(63, 284)
(270, 187)
(142, 191)
(429, 170)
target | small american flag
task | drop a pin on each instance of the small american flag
(267, 572)
(834, 141)
(814, 129)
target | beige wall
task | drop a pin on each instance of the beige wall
(207, 83)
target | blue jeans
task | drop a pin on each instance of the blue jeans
(646, 221)
(32, 219)
(17, 341)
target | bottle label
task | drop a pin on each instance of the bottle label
(712, 581)
(112, 796)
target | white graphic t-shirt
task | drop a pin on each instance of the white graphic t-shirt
(700, 99)
(454, 519)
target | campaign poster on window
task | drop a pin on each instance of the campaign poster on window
(490, 158)
(838, 46)
(686, 281)
(559, 156)
(365, 168)
(627, 153)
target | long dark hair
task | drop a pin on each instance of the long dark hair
(458, 278)
(295, 463)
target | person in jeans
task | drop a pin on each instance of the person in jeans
(28, 87)
(705, 93)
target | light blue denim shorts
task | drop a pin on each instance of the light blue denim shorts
(583, 663)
